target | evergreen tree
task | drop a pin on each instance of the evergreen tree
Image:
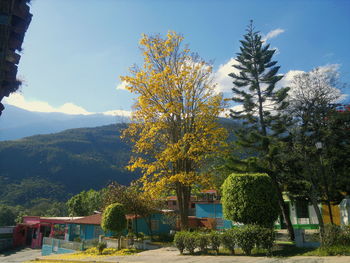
(264, 124)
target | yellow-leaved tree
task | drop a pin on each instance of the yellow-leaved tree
(175, 120)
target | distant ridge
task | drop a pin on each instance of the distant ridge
(79, 159)
(16, 123)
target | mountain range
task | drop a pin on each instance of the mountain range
(16, 123)
(77, 159)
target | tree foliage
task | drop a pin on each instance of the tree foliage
(7, 215)
(250, 199)
(175, 124)
(113, 218)
(134, 199)
(323, 173)
(85, 203)
(262, 111)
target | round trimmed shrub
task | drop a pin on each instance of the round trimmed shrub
(250, 199)
(113, 218)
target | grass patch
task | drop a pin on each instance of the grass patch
(330, 251)
(290, 250)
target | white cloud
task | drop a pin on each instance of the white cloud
(121, 86)
(272, 34)
(18, 100)
(288, 77)
(224, 82)
(124, 113)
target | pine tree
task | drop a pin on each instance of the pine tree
(264, 124)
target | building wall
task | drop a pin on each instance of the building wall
(6, 237)
(48, 250)
(214, 210)
(310, 222)
(335, 213)
(85, 232)
(160, 225)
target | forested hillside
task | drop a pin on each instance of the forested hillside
(75, 159)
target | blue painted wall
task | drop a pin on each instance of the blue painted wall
(87, 232)
(48, 250)
(162, 226)
(209, 210)
(213, 211)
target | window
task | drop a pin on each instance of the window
(155, 225)
(174, 202)
(98, 231)
(302, 209)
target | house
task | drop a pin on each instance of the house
(85, 228)
(157, 224)
(89, 227)
(34, 228)
(209, 213)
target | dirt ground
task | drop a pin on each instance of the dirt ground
(171, 255)
(20, 255)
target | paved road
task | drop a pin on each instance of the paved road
(171, 255)
(20, 255)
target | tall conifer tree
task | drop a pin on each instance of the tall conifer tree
(262, 107)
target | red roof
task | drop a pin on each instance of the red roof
(90, 220)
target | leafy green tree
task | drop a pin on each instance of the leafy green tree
(29, 189)
(250, 199)
(261, 110)
(134, 199)
(7, 215)
(46, 207)
(85, 203)
(323, 171)
(113, 219)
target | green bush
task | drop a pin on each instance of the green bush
(101, 246)
(191, 241)
(266, 238)
(215, 240)
(339, 250)
(332, 235)
(229, 239)
(250, 199)
(346, 235)
(179, 240)
(202, 241)
(246, 238)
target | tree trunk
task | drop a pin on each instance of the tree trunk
(317, 210)
(284, 211)
(330, 212)
(183, 193)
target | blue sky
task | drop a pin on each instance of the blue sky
(75, 50)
